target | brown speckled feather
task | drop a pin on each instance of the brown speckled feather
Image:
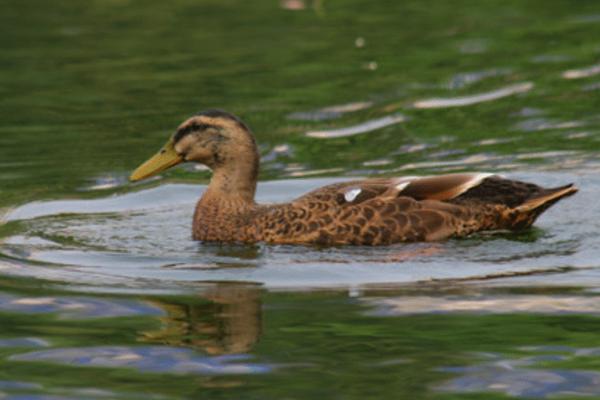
(386, 211)
(364, 212)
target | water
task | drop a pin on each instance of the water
(104, 295)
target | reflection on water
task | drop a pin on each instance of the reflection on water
(465, 79)
(541, 124)
(163, 359)
(401, 88)
(331, 112)
(517, 377)
(514, 304)
(76, 307)
(210, 335)
(23, 342)
(582, 73)
(473, 46)
(228, 320)
(218, 337)
(364, 127)
(474, 99)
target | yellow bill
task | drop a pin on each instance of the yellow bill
(166, 158)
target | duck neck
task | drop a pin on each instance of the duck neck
(234, 182)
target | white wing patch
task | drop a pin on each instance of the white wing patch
(401, 186)
(476, 180)
(351, 194)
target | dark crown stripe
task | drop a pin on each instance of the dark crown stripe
(193, 127)
(216, 113)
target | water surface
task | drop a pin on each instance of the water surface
(103, 294)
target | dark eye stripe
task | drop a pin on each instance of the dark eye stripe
(193, 127)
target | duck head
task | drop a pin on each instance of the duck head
(214, 138)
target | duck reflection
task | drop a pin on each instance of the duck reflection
(225, 319)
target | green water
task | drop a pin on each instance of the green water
(103, 294)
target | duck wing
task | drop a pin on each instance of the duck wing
(439, 187)
(390, 210)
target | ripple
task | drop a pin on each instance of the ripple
(363, 127)
(513, 378)
(293, 5)
(75, 308)
(541, 124)
(578, 135)
(582, 72)
(314, 172)
(141, 242)
(170, 195)
(550, 58)
(413, 148)
(547, 154)
(528, 112)
(281, 150)
(107, 182)
(17, 390)
(11, 385)
(476, 98)
(157, 359)
(465, 79)
(377, 163)
(458, 163)
(495, 141)
(587, 19)
(331, 112)
(407, 305)
(473, 46)
(23, 342)
(591, 87)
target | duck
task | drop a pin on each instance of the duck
(370, 212)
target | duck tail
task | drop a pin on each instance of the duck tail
(526, 213)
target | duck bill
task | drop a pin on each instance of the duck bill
(166, 158)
